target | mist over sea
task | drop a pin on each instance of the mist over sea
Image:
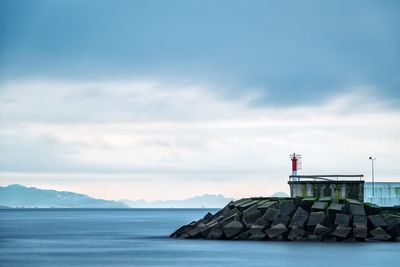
(139, 237)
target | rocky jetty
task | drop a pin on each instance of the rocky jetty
(297, 219)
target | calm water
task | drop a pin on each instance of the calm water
(136, 237)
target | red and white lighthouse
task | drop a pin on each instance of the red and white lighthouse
(296, 164)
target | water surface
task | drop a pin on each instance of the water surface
(139, 237)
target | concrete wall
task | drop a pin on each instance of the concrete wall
(334, 189)
(386, 193)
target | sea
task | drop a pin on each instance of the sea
(140, 237)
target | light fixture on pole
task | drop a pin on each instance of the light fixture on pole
(373, 174)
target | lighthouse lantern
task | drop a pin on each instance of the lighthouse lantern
(296, 163)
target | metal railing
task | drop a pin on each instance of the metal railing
(329, 177)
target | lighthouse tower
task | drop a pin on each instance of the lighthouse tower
(296, 165)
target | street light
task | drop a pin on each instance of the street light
(373, 178)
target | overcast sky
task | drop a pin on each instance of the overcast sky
(171, 99)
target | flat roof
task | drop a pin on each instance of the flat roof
(327, 182)
(327, 175)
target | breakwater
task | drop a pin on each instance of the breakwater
(297, 219)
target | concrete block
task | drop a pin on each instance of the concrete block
(380, 234)
(376, 221)
(263, 201)
(246, 205)
(342, 219)
(286, 207)
(372, 209)
(251, 214)
(181, 230)
(316, 217)
(393, 226)
(322, 230)
(261, 222)
(391, 221)
(342, 231)
(325, 199)
(296, 233)
(276, 230)
(233, 228)
(299, 218)
(208, 217)
(257, 236)
(356, 209)
(281, 218)
(359, 220)
(306, 203)
(270, 214)
(239, 202)
(255, 229)
(222, 212)
(352, 201)
(184, 236)
(230, 216)
(319, 206)
(215, 233)
(242, 236)
(336, 207)
(267, 205)
(360, 231)
(197, 232)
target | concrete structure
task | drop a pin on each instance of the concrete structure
(336, 189)
(385, 194)
(296, 219)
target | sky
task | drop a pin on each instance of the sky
(170, 99)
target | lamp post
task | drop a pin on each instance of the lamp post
(373, 178)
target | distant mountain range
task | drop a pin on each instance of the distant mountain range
(30, 197)
(204, 201)
(280, 194)
(18, 196)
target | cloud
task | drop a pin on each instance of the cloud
(291, 51)
(192, 97)
(159, 135)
